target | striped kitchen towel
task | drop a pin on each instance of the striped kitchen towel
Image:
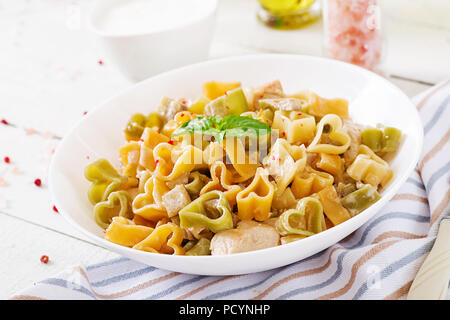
(378, 261)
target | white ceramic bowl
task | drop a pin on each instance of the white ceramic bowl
(372, 100)
(142, 54)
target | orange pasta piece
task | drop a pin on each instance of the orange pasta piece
(332, 205)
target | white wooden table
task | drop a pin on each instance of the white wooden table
(50, 75)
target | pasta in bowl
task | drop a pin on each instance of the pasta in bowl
(238, 169)
(98, 137)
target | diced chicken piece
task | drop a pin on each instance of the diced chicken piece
(175, 200)
(285, 104)
(215, 109)
(353, 130)
(272, 90)
(248, 236)
(271, 221)
(168, 108)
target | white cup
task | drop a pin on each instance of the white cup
(141, 54)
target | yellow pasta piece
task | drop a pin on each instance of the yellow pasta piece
(242, 164)
(140, 221)
(143, 177)
(369, 168)
(165, 238)
(149, 204)
(178, 120)
(255, 201)
(330, 163)
(332, 205)
(283, 201)
(198, 106)
(213, 152)
(215, 89)
(319, 107)
(310, 181)
(174, 161)
(125, 232)
(129, 157)
(221, 180)
(296, 127)
(284, 162)
(150, 139)
(336, 134)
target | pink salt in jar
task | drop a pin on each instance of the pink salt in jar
(352, 32)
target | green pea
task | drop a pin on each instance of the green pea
(154, 120)
(135, 126)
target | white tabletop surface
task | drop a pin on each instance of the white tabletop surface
(50, 75)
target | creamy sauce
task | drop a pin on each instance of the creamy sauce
(140, 16)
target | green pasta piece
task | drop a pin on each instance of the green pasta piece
(201, 248)
(117, 204)
(197, 183)
(372, 137)
(105, 179)
(233, 102)
(381, 140)
(189, 245)
(360, 199)
(195, 214)
(289, 222)
(392, 138)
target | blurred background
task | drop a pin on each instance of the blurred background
(49, 58)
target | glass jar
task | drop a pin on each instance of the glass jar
(288, 14)
(352, 32)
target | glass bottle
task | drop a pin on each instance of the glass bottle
(288, 14)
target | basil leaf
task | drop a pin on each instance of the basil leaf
(231, 125)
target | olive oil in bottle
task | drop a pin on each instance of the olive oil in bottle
(288, 14)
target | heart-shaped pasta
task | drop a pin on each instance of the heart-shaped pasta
(283, 162)
(306, 219)
(150, 139)
(148, 204)
(105, 179)
(255, 201)
(117, 204)
(310, 181)
(129, 156)
(174, 161)
(222, 181)
(336, 134)
(125, 232)
(163, 239)
(196, 182)
(196, 214)
(369, 168)
(242, 164)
